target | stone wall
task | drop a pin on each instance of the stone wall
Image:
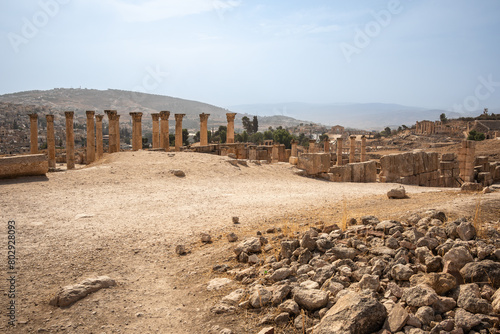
(356, 172)
(485, 172)
(23, 165)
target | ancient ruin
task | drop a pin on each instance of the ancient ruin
(51, 142)
(90, 136)
(98, 137)
(156, 130)
(178, 131)
(164, 131)
(33, 133)
(204, 129)
(230, 128)
(136, 130)
(70, 140)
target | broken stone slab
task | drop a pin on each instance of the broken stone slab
(469, 186)
(396, 319)
(72, 293)
(218, 283)
(250, 245)
(353, 313)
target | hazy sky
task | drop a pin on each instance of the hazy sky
(437, 54)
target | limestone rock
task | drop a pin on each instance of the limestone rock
(180, 250)
(310, 299)
(444, 304)
(280, 274)
(250, 245)
(282, 318)
(72, 293)
(396, 319)
(420, 295)
(280, 293)
(218, 283)
(397, 193)
(469, 186)
(369, 282)
(308, 242)
(466, 231)
(260, 296)
(456, 258)
(232, 237)
(353, 314)
(425, 314)
(267, 330)
(401, 272)
(495, 301)
(470, 299)
(485, 271)
(289, 306)
(177, 172)
(235, 297)
(206, 238)
(288, 247)
(466, 320)
(439, 282)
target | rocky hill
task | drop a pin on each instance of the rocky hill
(79, 100)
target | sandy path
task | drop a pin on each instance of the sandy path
(123, 217)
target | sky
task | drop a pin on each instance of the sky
(433, 54)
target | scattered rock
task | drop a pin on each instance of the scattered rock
(420, 295)
(180, 250)
(439, 282)
(397, 193)
(396, 319)
(486, 271)
(250, 245)
(236, 220)
(177, 172)
(218, 283)
(267, 330)
(469, 186)
(310, 299)
(72, 293)
(466, 231)
(206, 238)
(232, 237)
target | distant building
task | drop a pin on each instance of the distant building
(337, 129)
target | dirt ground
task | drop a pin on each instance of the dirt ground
(123, 216)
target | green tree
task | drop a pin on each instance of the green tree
(196, 137)
(220, 135)
(247, 124)
(443, 118)
(323, 137)
(145, 142)
(171, 139)
(255, 125)
(282, 136)
(477, 136)
(256, 138)
(268, 135)
(185, 137)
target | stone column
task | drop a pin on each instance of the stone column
(51, 141)
(275, 154)
(117, 132)
(339, 151)
(204, 129)
(156, 130)
(178, 131)
(34, 133)
(164, 132)
(90, 136)
(294, 148)
(312, 146)
(136, 130)
(70, 140)
(363, 149)
(327, 145)
(466, 160)
(352, 150)
(98, 136)
(230, 127)
(111, 130)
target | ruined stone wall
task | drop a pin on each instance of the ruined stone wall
(363, 172)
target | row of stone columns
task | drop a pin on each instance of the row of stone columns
(352, 150)
(95, 137)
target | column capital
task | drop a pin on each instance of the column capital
(352, 137)
(230, 117)
(164, 114)
(136, 116)
(99, 118)
(69, 114)
(156, 117)
(50, 118)
(110, 113)
(90, 113)
(33, 116)
(204, 117)
(178, 117)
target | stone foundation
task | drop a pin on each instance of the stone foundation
(23, 165)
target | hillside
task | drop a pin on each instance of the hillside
(79, 100)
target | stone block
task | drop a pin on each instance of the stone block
(358, 172)
(338, 173)
(348, 173)
(448, 157)
(370, 168)
(314, 163)
(24, 165)
(293, 160)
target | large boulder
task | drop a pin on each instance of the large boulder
(353, 314)
(420, 295)
(456, 258)
(250, 245)
(439, 282)
(470, 299)
(397, 193)
(486, 271)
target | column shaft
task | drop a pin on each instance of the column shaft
(339, 151)
(204, 129)
(98, 136)
(164, 131)
(178, 131)
(90, 137)
(352, 150)
(136, 130)
(33, 133)
(156, 130)
(230, 127)
(70, 140)
(51, 141)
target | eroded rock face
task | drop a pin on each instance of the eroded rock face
(72, 293)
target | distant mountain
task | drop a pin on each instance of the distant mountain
(361, 116)
(80, 100)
